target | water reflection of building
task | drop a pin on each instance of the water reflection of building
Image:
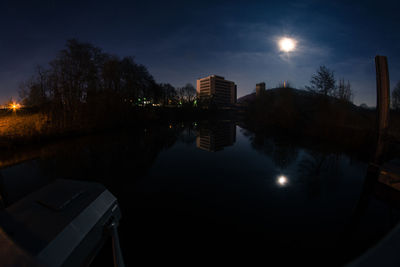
(216, 137)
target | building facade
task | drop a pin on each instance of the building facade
(260, 88)
(222, 92)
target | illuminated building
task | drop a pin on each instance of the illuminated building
(222, 92)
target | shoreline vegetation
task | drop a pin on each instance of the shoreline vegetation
(85, 91)
(30, 127)
(320, 119)
(350, 128)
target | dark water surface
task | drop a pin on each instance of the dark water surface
(219, 194)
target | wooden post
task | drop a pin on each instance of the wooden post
(382, 106)
(382, 93)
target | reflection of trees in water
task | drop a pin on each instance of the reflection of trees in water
(313, 164)
(188, 135)
(131, 155)
(285, 153)
(311, 167)
(262, 144)
(121, 156)
(282, 151)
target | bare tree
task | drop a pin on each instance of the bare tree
(344, 91)
(323, 82)
(83, 80)
(34, 92)
(190, 92)
(396, 97)
(169, 94)
(187, 93)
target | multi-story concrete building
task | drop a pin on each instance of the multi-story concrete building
(222, 91)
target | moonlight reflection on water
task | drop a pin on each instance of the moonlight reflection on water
(282, 181)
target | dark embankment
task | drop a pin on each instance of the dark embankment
(315, 118)
(33, 127)
(144, 136)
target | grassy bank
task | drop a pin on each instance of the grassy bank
(17, 127)
(27, 127)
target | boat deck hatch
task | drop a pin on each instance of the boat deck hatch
(58, 200)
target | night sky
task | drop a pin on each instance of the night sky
(180, 41)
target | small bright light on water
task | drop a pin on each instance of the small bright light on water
(287, 44)
(282, 180)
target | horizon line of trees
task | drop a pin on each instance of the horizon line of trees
(82, 74)
(324, 82)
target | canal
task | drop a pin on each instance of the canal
(215, 193)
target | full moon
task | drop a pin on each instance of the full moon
(287, 44)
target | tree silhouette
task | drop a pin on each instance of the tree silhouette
(34, 91)
(83, 78)
(396, 96)
(323, 82)
(168, 94)
(187, 93)
(344, 91)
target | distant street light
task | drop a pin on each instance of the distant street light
(14, 106)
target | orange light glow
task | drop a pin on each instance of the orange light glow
(14, 106)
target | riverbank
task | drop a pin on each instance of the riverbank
(24, 128)
(317, 117)
(340, 124)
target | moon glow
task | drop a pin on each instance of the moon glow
(287, 44)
